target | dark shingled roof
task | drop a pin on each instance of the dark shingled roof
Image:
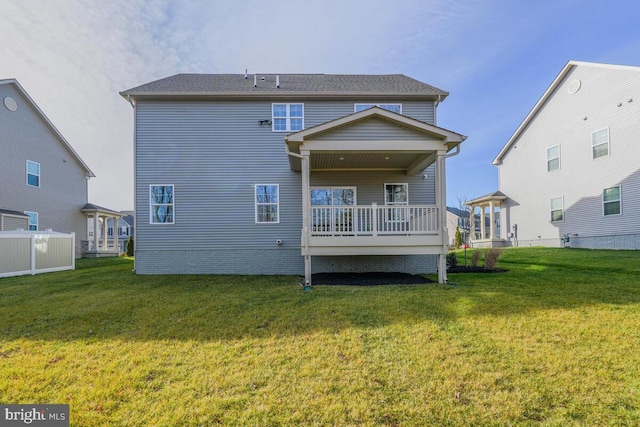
(10, 212)
(290, 84)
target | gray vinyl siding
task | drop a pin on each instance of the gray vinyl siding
(63, 185)
(214, 153)
(608, 98)
(373, 129)
(11, 223)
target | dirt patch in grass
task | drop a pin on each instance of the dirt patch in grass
(368, 279)
(463, 269)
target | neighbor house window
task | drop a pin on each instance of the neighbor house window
(611, 201)
(33, 173)
(600, 143)
(553, 158)
(161, 204)
(396, 108)
(33, 220)
(287, 117)
(267, 202)
(556, 206)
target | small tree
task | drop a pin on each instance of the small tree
(457, 242)
(130, 246)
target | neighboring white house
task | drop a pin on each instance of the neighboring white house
(570, 173)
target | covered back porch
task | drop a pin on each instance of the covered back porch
(373, 143)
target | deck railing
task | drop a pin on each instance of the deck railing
(374, 220)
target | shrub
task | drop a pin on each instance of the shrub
(130, 246)
(457, 241)
(491, 259)
(452, 260)
(475, 258)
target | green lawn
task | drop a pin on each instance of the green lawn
(554, 341)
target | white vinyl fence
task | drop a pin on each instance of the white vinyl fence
(33, 252)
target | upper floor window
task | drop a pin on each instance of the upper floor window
(287, 117)
(611, 201)
(33, 220)
(267, 203)
(553, 158)
(600, 143)
(556, 206)
(396, 108)
(161, 204)
(33, 173)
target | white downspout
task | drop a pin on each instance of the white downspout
(305, 214)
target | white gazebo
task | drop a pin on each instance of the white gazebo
(99, 247)
(486, 210)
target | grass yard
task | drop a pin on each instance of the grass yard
(554, 341)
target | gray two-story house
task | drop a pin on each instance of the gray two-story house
(43, 181)
(260, 174)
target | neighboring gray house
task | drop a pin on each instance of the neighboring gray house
(570, 173)
(43, 181)
(239, 174)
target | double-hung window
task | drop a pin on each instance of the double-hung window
(612, 201)
(396, 195)
(396, 108)
(600, 143)
(161, 204)
(33, 220)
(553, 158)
(556, 207)
(33, 173)
(287, 117)
(267, 201)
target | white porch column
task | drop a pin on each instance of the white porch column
(115, 234)
(472, 223)
(95, 232)
(441, 201)
(306, 206)
(105, 244)
(492, 220)
(483, 234)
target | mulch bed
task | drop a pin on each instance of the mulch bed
(367, 279)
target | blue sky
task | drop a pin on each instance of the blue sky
(494, 57)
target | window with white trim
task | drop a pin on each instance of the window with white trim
(396, 195)
(33, 173)
(600, 143)
(612, 201)
(396, 108)
(287, 117)
(161, 204)
(267, 201)
(556, 207)
(553, 158)
(33, 220)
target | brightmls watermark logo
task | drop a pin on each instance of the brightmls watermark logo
(34, 415)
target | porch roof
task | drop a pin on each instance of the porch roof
(90, 208)
(496, 196)
(330, 150)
